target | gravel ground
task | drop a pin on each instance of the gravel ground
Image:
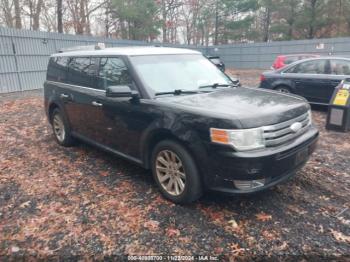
(80, 201)
(247, 77)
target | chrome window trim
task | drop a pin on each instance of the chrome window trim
(76, 86)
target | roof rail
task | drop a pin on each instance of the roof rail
(98, 46)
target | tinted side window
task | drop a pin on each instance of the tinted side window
(57, 69)
(81, 71)
(112, 72)
(310, 67)
(340, 67)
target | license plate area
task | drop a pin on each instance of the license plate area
(301, 156)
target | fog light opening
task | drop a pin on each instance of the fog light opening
(249, 184)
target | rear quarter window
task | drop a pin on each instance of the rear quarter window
(57, 69)
(81, 71)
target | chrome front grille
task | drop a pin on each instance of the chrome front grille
(281, 133)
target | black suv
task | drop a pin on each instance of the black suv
(172, 111)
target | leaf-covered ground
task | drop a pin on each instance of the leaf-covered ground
(80, 201)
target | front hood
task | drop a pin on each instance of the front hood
(252, 107)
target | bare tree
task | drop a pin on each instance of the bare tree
(6, 7)
(59, 16)
(190, 12)
(18, 20)
(311, 30)
(33, 10)
(36, 14)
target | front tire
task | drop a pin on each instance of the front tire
(61, 129)
(175, 172)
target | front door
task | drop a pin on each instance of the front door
(120, 120)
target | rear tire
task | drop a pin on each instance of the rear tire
(61, 129)
(283, 89)
(175, 172)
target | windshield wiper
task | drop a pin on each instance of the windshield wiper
(216, 85)
(177, 92)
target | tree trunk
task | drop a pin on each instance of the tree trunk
(18, 21)
(8, 14)
(311, 33)
(216, 33)
(107, 25)
(59, 16)
(36, 15)
(291, 20)
(267, 25)
(82, 20)
(87, 19)
(164, 24)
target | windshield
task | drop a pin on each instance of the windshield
(166, 73)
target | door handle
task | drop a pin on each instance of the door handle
(94, 103)
(65, 96)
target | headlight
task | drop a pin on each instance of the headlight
(241, 139)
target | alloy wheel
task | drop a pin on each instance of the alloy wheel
(58, 127)
(170, 172)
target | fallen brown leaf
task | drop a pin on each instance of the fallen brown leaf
(263, 217)
(170, 232)
(339, 236)
(151, 225)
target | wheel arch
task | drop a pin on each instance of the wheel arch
(286, 85)
(153, 139)
(54, 105)
(50, 110)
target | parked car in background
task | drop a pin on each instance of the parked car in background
(219, 64)
(217, 61)
(314, 79)
(172, 111)
(283, 60)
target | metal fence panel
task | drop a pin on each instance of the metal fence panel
(9, 82)
(24, 54)
(7, 64)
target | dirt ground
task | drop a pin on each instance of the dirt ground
(80, 201)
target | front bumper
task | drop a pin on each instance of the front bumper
(228, 169)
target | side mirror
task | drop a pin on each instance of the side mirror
(121, 91)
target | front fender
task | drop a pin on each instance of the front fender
(172, 126)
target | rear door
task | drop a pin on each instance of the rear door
(311, 79)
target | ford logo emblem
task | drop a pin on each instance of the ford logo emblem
(295, 127)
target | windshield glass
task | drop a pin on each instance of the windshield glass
(166, 73)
